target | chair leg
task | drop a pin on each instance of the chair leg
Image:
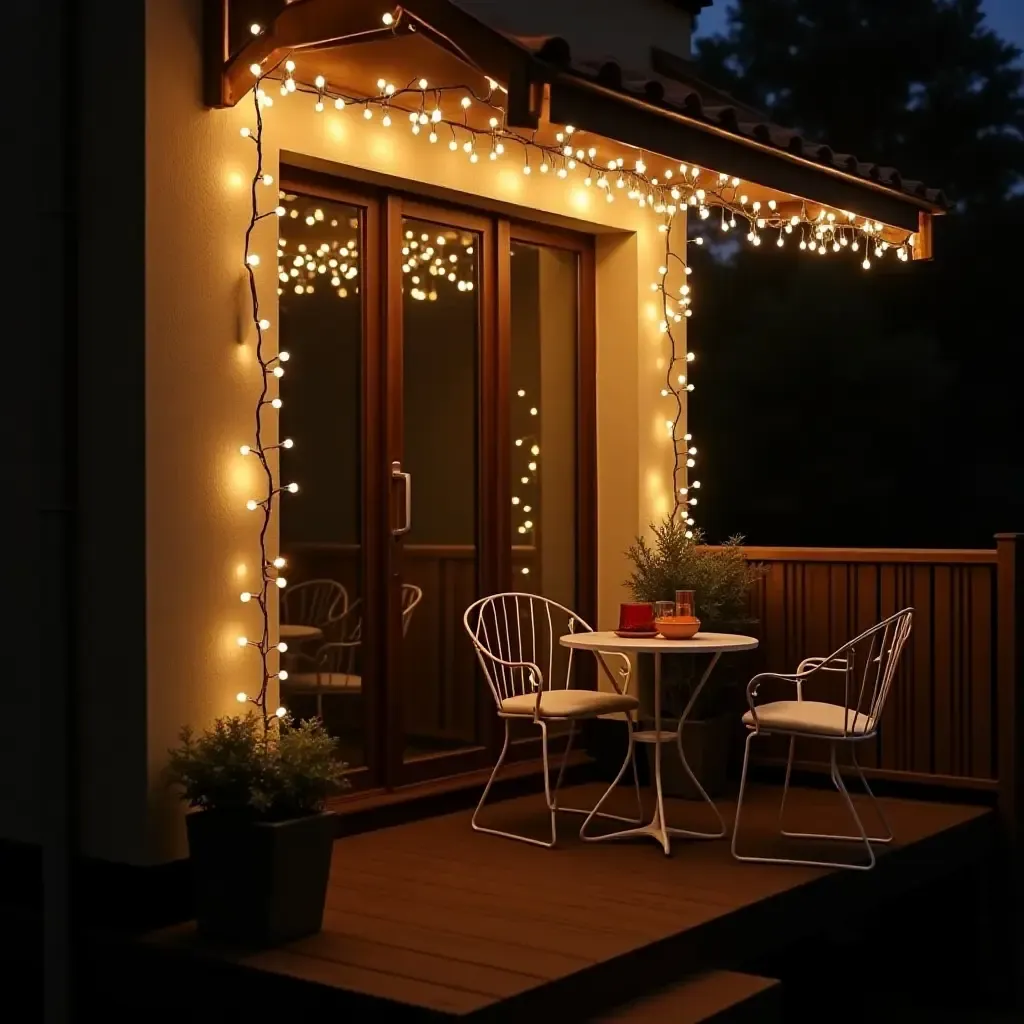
(597, 812)
(837, 781)
(547, 794)
(840, 785)
(587, 811)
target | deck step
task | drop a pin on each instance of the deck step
(722, 997)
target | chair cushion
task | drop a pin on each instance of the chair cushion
(310, 682)
(809, 716)
(569, 703)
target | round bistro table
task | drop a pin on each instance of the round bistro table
(294, 632)
(715, 644)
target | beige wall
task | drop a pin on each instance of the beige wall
(202, 378)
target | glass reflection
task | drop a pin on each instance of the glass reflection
(321, 528)
(545, 285)
(440, 334)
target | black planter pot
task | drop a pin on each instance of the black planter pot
(259, 883)
(708, 745)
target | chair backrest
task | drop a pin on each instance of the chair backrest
(342, 655)
(868, 663)
(411, 596)
(515, 637)
(314, 603)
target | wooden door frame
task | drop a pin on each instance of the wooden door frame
(375, 482)
(583, 246)
(383, 209)
(399, 206)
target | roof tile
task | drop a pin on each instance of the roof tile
(701, 102)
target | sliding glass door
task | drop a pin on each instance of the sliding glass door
(439, 397)
(439, 337)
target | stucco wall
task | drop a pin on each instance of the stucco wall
(201, 382)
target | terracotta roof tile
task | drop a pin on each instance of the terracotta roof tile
(702, 102)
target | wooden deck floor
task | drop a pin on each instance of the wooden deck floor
(436, 920)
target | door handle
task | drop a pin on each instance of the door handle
(397, 474)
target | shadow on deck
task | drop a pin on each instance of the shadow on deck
(430, 920)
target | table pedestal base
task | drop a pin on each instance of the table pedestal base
(657, 828)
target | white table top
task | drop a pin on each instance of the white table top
(702, 643)
(293, 631)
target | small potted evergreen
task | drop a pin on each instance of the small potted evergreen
(259, 839)
(721, 578)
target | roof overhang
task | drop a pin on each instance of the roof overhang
(538, 89)
(604, 111)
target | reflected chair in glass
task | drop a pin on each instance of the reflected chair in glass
(854, 721)
(317, 603)
(334, 667)
(514, 634)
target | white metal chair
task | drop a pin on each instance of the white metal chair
(856, 720)
(318, 603)
(513, 635)
(333, 668)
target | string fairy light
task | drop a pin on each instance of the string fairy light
(684, 188)
(271, 369)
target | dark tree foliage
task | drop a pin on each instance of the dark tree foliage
(841, 407)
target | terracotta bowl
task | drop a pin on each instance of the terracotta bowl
(677, 628)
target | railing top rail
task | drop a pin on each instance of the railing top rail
(895, 556)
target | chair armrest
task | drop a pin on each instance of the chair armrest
(807, 668)
(536, 675)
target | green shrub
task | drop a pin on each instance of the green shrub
(721, 577)
(238, 766)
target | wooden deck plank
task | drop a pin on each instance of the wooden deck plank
(381, 982)
(431, 914)
(709, 996)
(437, 967)
(360, 921)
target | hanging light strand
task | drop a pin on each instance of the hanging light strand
(270, 368)
(677, 189)
(825, 232)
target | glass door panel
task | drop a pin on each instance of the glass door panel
(544, 300)
(321, 527)
(439, 558)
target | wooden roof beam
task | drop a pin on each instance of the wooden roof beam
(317, 23)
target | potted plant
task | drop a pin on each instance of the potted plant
(259, 839)
(721, 578)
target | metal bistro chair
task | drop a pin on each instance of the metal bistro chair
(513, 635)
(854, 721)
(318, 603)
(333, 668)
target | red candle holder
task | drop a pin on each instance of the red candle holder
(636, 618)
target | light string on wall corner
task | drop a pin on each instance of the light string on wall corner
(677, 377)
(271, 370)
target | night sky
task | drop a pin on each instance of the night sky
(1005, 16)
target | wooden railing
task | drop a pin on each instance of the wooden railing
(954, 714)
